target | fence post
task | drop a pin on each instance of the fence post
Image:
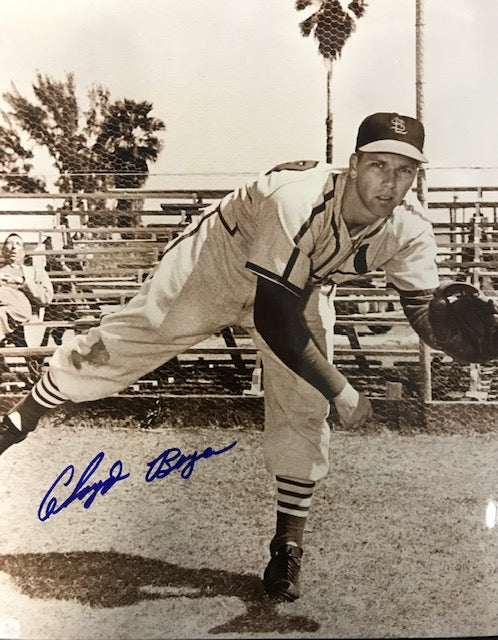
(425, 372)
(477, 233)
(476, 390)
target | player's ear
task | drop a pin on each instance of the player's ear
(353, 165)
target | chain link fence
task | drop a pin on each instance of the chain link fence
(98, 247)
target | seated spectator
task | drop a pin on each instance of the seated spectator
(23, 288)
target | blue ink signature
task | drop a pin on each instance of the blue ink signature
(174, 460)
(170, 460)
(82, 490)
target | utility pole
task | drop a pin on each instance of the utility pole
(424, 350)
(419, 86)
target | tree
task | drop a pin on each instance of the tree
(16, 165)
(53, 122)
(127, 142)
(89, 147)
(332, 26)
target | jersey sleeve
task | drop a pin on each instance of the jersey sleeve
(414, 267)
(282, 245)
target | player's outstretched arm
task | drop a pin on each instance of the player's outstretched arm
(278, 318)
(416, 308)
(456, 318)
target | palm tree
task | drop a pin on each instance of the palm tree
(331, 25)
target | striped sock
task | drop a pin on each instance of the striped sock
(293, 505)
(43, 396)
(46, 393)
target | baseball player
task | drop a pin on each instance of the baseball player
(267, 257)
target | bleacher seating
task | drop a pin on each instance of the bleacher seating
(97, 265)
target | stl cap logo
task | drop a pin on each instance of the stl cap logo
(399, 126)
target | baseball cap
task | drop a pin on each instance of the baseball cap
(392, 133)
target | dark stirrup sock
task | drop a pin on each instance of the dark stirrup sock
(43, 396)
(293, 504)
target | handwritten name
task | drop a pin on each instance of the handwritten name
(81, 491)
(174, 460)
(86, 488)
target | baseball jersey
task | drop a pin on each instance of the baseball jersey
(294, 234)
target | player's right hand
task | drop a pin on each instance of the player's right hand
(354, 408)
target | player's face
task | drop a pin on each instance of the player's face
(382, 180)
(13, 250)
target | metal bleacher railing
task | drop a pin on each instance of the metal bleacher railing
(98, 256)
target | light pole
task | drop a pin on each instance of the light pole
(425, 356)
(419, 86)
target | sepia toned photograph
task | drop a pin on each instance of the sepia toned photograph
(248, 319)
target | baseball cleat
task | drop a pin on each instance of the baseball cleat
(9, 434)
(281, 577)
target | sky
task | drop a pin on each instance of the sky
(239, 88)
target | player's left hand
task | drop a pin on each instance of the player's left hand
(353, 407)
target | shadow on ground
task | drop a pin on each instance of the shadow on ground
(110, 579)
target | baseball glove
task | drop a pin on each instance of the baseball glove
(464, 322)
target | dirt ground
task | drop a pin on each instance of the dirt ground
(401, 541)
